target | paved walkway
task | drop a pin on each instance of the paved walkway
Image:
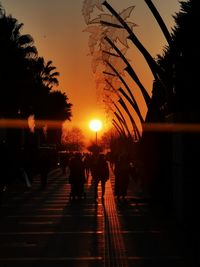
(44, 228)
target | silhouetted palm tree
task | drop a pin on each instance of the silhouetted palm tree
(178, 103)
(45, 72)
(16, 50)
(26, 81)
(178, 62)
(186, 55)
(57, 109)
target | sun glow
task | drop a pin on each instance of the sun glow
(95, 125)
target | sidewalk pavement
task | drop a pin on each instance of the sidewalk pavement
(45, 228)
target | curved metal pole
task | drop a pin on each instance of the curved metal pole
(130, 71)
(156, 71)
(133, 101)
(121, 101)
(120, 122)
(117, 127)
(159, 20)
(122, 118)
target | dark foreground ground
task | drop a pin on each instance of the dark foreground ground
(45, 228)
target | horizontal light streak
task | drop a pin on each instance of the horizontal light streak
(147, 127)
(138, 258)
(55, 215)
(38, 223)
(135, 258)
(171, 127)
(155, 258)
(52, 259)
(51, 233)
(23, 123)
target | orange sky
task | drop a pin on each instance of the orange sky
(57, 28)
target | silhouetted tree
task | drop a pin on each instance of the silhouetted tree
(45, 73)
(178, 62)
(73, 139)
(176, 160)
(27, 81)
(16, 51)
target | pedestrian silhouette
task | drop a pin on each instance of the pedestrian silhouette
(77, 176)
(100, 173)
(64, 162)
(87, 165)
(122, 176)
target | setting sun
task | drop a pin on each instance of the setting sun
(95, 125)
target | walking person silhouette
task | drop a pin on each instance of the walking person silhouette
(122, 176)
(100, 173)
(77, 176)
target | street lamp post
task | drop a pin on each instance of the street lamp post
(95, 126)
(96, 138)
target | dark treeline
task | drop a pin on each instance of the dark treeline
(29, 93)
(172, 157)
(27, 82)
